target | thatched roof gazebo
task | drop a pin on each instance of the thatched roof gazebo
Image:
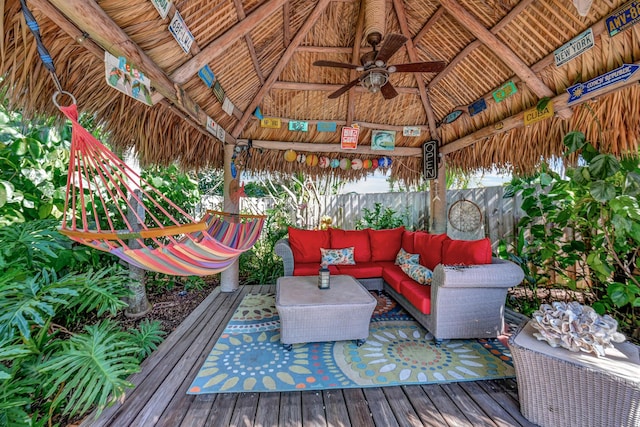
(494, 63)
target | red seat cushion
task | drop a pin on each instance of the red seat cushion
(306, 244)
(407, 241)
(359, 239)
(385, 244)
(466, 252)
(311, 269)
(417, 294)
(362, 270)
(429, 246)
(393, 275)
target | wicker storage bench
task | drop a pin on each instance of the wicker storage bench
(558, 387)
(310, 314)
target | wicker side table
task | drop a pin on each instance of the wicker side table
(558, 387)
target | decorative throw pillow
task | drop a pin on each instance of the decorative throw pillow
(417, 272)
(405, 257)
(343, 256)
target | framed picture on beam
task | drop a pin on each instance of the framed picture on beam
(430, 159)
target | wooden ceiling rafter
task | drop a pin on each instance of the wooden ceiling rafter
(325, 87)
(218, 46)
(282, 62)
(249, 41)
(398, 6)
(433, 20)
(286, 24)
(355, 59)
(89, 18)
(502, 51)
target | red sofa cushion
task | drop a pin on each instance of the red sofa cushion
(417, 294)
(429, 246)
(407, 241)
(466, 252)
(306, 244)
(310, 269)
(385, 244)
(393, 275)
(359, 239)
(362, 270)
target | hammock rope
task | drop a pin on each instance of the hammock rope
(104, 192)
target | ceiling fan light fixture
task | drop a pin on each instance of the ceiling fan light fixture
(374, 81)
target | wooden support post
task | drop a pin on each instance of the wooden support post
(230, 277)
(438, 189)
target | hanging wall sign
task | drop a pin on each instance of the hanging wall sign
(383, 140)
(206, 75)
(180, 32)
(258, 113)
(271, 123)
(411, 131)
(227, 106)
(298, 126)
(451, 117)
(430, 159)
(218, 91)
(221, 133)
(162, 6)
(623, 18)
(477, 107)
(621, 74)
(504, 92)
(326, 126)
(534, 115)
(574, 48)
(212, 126)
(349, 137)
(121, 76)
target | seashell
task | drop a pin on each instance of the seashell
(575, 327)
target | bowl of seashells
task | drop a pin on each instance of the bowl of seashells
(575, 327)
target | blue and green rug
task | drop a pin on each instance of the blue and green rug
(249, 356)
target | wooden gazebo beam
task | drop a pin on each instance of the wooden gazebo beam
(501, 50)
(330, 87)
(428, 25)
(282, 62)
(249, 41)
(355, 59)
(413, 57)
(218, 46)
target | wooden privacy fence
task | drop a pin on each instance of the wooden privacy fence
(500, 216)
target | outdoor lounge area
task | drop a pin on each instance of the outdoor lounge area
(285, 212)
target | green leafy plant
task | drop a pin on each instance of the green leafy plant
(380, 218)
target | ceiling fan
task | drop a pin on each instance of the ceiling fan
(375, 71)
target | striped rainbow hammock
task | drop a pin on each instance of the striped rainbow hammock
(101, 188)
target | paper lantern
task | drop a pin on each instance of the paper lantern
(312, 160)
(374, 163)
(335, 163)
(324, 162)
(345, 164)
(384, 162)
(356, 164)
(290, 156)
(302, 158)
(367, 164)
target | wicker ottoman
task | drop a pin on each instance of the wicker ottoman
(309, 314)
(558, 387)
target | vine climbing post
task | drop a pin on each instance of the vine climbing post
(230, 277)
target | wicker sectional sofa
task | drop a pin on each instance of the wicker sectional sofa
(468, 289)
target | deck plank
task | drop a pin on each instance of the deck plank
(160, 398)
(335, 408)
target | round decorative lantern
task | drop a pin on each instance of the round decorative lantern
(302, 158)
(384, 162)
(312, 160)
(374, 163)
(367, 164)
(356, 164)
(324, 162)
(345, 164)
(290, 156)
(335, 163)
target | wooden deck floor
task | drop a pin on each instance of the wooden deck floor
(160, 399)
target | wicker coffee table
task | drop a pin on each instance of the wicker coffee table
(310, 314)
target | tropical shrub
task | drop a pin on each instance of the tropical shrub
(380, 218)
(597, 205)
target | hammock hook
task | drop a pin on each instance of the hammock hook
(63, 92)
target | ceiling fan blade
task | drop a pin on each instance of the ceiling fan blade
(388, 91)
(344, 88)
(420, 67)
(335, 64)
(390, 45)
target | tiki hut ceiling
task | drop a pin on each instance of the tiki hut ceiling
(262, 54)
